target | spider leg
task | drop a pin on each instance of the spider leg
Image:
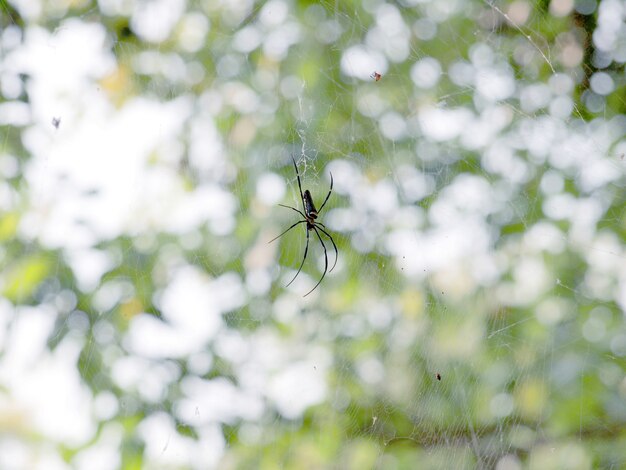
(328, 195)
(275, 238)
(294, 209)
(325, 261)
(306, 250)
(299, 184)
(332, 241)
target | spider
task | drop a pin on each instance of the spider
(310, 215)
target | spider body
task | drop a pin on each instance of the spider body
(310, 216)
(309, 208)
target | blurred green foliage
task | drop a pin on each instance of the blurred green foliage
(521, 386)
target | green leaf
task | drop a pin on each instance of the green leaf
(21, 279)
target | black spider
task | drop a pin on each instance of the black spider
(310, 215)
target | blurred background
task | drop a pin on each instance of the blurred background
(475, 318)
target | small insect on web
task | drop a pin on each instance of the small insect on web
(310, 215)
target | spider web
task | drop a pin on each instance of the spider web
(475, 316)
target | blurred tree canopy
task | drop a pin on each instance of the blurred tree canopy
(476, 315)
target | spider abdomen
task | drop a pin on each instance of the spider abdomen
(309, 207)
